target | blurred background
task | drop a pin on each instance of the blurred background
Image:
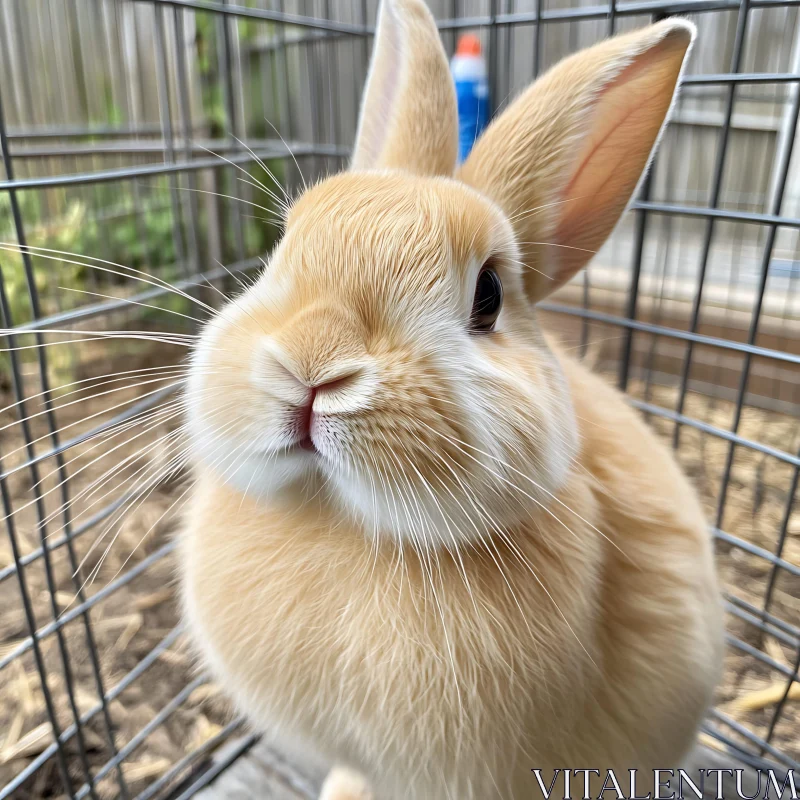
(138, 137)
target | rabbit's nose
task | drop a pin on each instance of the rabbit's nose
(343, 385)
(320, 395)
(349, 387)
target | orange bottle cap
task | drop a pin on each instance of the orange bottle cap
(469, 45)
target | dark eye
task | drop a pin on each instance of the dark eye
(488, 301)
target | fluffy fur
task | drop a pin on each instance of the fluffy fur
(487, 563)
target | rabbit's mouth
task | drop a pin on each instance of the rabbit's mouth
(307, 444)
(304, 444)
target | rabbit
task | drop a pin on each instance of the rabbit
(422, 539)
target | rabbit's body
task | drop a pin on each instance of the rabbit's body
(454, 677)
(419, 538)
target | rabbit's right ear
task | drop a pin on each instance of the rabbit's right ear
(409, 118)
(564, 159)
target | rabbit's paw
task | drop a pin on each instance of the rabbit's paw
(345, 784)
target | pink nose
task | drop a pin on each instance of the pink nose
(305, 414)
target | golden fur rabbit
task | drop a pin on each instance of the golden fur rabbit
(422, 539)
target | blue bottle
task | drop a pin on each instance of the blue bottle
(468, 69)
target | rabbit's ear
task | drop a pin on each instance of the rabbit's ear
(563, 160)
(409, 118)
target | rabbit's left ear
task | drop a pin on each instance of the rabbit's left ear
(563, 160)
(409, 118)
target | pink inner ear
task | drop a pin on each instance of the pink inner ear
(381, 91)
(409, 117)
(623, 127)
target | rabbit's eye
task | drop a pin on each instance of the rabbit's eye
(488, 301)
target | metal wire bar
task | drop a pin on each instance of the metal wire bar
(232, 10)
(207, 777)
(135, 409)
(125, 173)
(301, 150)
(54, 748)
(729, 215)
(229, 94)
(736, 749)
(19, 393)
(672, 333)
(755, 550)
(783, 174)
(107, 307)
(759, 655)
(776, 714)
(30, 619)
(782, 535)
(537, 40)
(500, 20)
(165, 118)
(185, 118)
(640, 232)
(757, 623)
(133, 147)
(99, 516)
(724, 78)
(192, 758)
(790, 634)
(35, 555)
(112, 586)
(752, 738)
(81, 132)
(137, 740)
(665, 413)
(716, 192)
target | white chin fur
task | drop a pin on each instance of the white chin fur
(421, 518)
(259, 475)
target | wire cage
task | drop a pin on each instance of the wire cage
(136, 138)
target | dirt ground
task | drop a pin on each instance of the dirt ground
(131, 621)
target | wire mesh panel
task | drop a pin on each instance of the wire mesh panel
(146, 147)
